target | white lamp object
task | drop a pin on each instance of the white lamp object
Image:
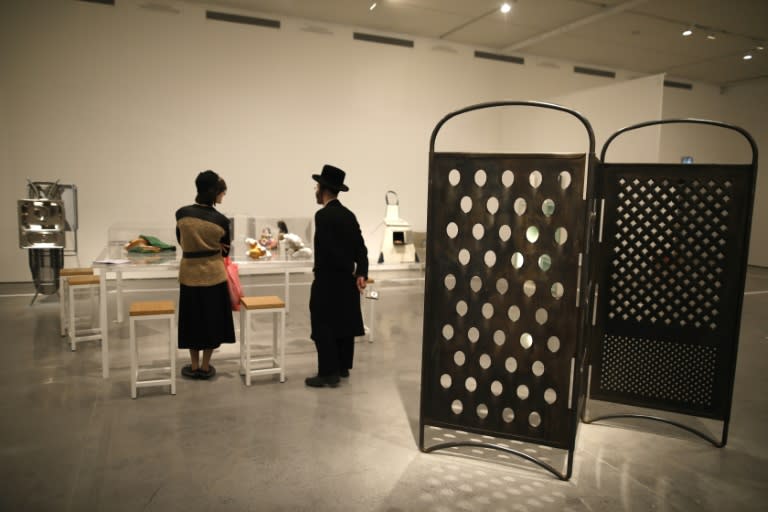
(396, 246)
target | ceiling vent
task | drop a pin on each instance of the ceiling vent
(497, 56)
(372, 38)
(246, 20)
(678, 85)
(594, 72)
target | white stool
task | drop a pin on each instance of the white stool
(251, 306)
(64, 293)
(78, 284)
(372, 296)
(152, 310)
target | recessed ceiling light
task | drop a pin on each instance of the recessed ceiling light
(711, 37)
(505, 8)
(760, 48)
(687, 32)
(372, 7)
(747, 56)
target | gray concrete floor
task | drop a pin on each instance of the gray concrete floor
(72, 441)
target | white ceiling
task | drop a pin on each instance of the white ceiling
(634, 35)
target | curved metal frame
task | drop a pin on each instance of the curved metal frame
(726, 421)
(691, 120)
(491, 104)
(577, 380)
(551, 469)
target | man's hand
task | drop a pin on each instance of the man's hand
(361, 284)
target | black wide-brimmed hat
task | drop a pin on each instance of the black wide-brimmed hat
(332, 178)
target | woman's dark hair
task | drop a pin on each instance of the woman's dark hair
(209, 186)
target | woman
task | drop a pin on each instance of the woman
(205, 311)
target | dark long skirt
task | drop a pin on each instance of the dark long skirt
(205, 317)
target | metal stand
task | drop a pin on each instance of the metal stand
(672, 256)
(505, 294)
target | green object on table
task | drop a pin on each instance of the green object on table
(156, 242)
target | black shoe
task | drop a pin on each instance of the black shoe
(344, 373)
(317, 381)
(188, 372)
(205, 375)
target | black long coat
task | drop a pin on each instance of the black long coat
(340, 257)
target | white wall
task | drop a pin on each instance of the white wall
(130, 104)
(745, 106)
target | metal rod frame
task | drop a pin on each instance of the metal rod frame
(577, 380)
(742, 277)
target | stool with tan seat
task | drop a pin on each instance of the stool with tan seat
(250, 306)
(145, 311)
(78, 285)
(372, 296)
(64, 274)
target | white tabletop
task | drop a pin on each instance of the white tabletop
(114, 258)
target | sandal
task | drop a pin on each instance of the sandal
(188, 372)
(205, 375)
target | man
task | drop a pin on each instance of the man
(341, 271)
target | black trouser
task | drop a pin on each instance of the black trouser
(334, 354)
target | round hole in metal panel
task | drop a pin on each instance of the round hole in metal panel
(482, 411)
(464, 257)
(507, 178)
(485, 361)
(487, 310)
(457, 407)
(505, 232)
(541, 316)
(550, 396)
(532, 234)
(526, 340)
(534, 419)
(470, 384)
(529, 288)
(476, 284)
(548, 207)
(535, 179)
(473, 334)
(492, 205)
(449, 281)
(561, 235)
(490, 258)
(508, 415)
(497, 388)
(553, 344)
(446, 381)
(557, 290)
(466, 204)
(448, 332)
(459, 358)
(480, 177)
(461, 308)
(522, 392)
(520, 205)
(545, 262)
(517, 260)
(478, 231)
(499, 337)
(564, 178)
(513, 313)
(510, 364)
(452, 229)
(454, 177)
(502, 285)
(537, 368)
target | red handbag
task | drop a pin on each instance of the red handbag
(233, 283)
